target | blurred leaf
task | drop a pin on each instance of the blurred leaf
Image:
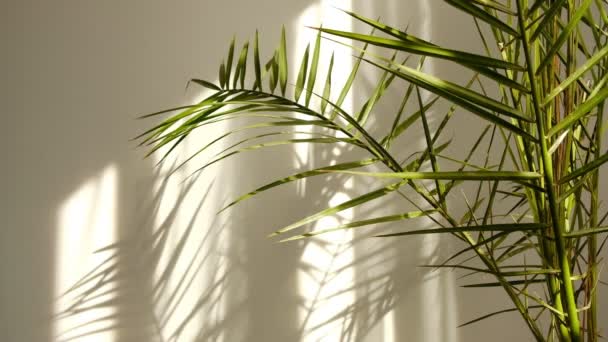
(282, 62)
(511, 282)
(302, 74)
(586, 232)
(351, 77)
(312, 76)
(515, 227)
(205, 84)
(564, 34)
(301, 175)
(576, 75)
(492, 314)
(548, 16)
(222, 75)
(370, 196)
(241, 67)
(356, 224)
(580, 112)
(482, 15)
(426, 50)
(447, 175)
(585, 169)
(460, 96)
(327, 87)
(256, 63)
(229, 61)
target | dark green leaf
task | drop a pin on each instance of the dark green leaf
(563, 35)
(459, 95)
(584, 170)
(301, 175)
(581, 111)
(511, 227)
(241, 67)
(356, 224)
(312, 76)
(282, 62)
(576, 75)
(496, 313)
(302, 74)
(229, 61)
(457, 175)
(426, 50)
(205, 84)
(256, 63)
(482, 15)
(222, 75)
(327, 87)
(547, 19)
(342, 206)
(586, 232)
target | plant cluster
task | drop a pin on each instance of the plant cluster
(547, 61)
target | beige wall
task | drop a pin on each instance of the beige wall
(74, 76)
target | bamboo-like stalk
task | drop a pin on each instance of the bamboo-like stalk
(569, 300)
(592, 280)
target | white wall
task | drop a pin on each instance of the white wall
(74, 76)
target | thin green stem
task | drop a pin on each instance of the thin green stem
(569, 301)
(592, 240)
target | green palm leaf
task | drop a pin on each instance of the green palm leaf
(425, 50)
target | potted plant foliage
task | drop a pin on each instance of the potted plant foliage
(546, 66)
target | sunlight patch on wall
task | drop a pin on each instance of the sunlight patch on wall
(430, 290)
(388, 327)
(438, 307)
(326, 284)
(302, 152)
(190, 273)
(323, 13)
(86, 222)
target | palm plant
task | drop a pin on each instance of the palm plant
(540, 87)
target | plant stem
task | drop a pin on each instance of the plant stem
(592, 251)
(569, 300)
